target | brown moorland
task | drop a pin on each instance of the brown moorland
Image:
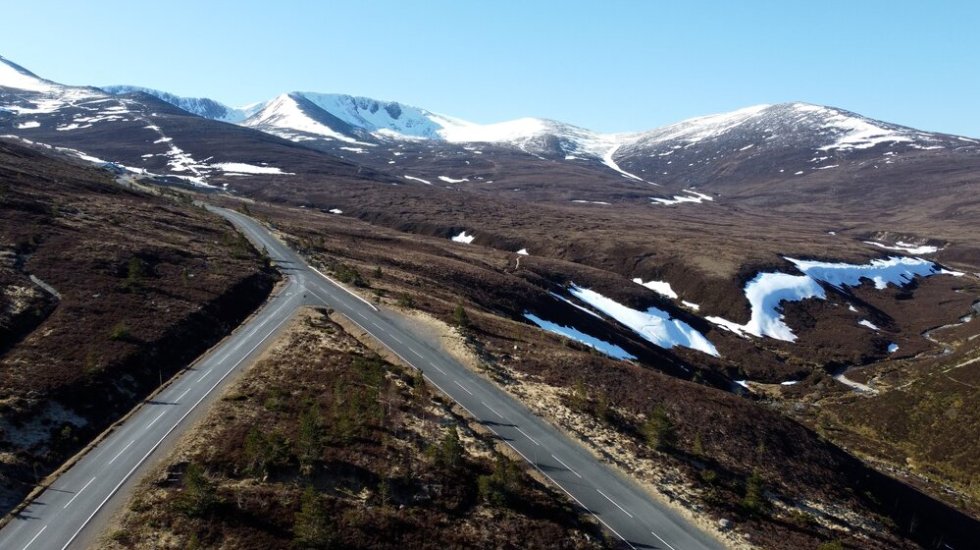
(322, 444)
(723, 443)
(127, 289)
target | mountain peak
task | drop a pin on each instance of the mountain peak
(200, 106)
(13, 75)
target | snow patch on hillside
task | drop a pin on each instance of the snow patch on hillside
(660, 287)
(908, 248)
(767, 291)
(420, 180)
(691, 196)
(463, 238)
(242, 168)
(609, 349)
(869, 324)
(654, 325)
(857, 132)
(895, 271)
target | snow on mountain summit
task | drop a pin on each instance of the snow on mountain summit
(15, 76)
(200, 106)
(387, 118)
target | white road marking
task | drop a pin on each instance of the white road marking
(154, 421)
(361, 315)
(121, 452)
(567, 467)
(494, 411)
(562, 487)
(415, 352)
(667, 544)
(617, 505)
(30, 542)
(344, 288)
(437, 368)
(181, 396)
(464, 387)
(376, 325)
(393, 337)
(172, 428)
(527, 436)
(78, 493)
(205, 375)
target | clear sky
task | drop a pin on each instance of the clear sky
(606, 65)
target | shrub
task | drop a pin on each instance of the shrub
(199, 494)
(405, 300)
(499, 488)
(119, 332)
(349, 275)
(263, 451)
(311, 525)
(658, 430)
(310, 444)
(754, 502)
(460, 319)
(448, 453)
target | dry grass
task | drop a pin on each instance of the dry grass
(381, 485)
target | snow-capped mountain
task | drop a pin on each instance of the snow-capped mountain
(145, 133)
(200, 106)
(744, 148)
(789, 139)
(824, 135)
(16, 77)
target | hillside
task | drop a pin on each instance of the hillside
(794, 287)
(323, 444)
(105, 291)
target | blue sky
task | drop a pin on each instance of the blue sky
(606, 65)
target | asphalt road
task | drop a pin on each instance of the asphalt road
(75, 509)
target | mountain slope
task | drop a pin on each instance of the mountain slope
(200, 106)
(146, 135)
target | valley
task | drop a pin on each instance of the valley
(680, 302)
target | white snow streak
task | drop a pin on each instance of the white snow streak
(609, 349)
(654, 325)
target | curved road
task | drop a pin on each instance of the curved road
(75, 509)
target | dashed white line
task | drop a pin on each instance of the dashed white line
(67, 504)
(494, 411)
(570, 495)
(174, 427)
(181, 396)
(376, 325)
(527, 436)
(567, 467)
(205, 375)
(415, 352)
(121, 452)
(393, 337)
(30, 542)
(154, 421)
(462, 386)
(361, 315)
(437, 368)
(617, 505)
